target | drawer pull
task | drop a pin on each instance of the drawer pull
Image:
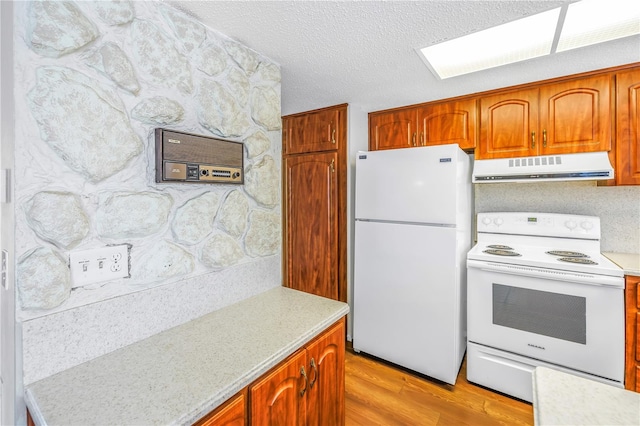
(315, 376)
(533, 140)
(306, 380)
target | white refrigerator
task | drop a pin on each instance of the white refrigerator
(413, 211)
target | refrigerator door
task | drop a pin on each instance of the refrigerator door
(419, 185)
(407, 297)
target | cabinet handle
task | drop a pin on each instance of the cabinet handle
(315, 376)
(533, 140)
(544, 138)
(333, 165)
(333, 136)
(422, 141)
(306, 380)
(413, 140)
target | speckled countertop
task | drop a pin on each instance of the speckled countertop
(564, 399)
(629, 262)
(180, 375)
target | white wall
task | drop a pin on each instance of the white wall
(90, 86)
(358, 138)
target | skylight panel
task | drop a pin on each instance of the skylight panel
(595, 21)
(515, 41)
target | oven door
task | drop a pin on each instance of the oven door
(560, 317)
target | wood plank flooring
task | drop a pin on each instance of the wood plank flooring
(378, 393)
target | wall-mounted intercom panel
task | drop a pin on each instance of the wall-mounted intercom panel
(189, 158)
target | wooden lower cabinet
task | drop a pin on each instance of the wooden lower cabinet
(279, 398)
(632, 340)
(231, 413)
(307, 388)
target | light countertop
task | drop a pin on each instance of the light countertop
(180, 375)
(629, 262)
(564, 399)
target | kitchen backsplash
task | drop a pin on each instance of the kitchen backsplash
(618, 207)
(92, 81)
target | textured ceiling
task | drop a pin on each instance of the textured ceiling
(364, 52)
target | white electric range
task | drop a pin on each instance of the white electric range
(540, 293)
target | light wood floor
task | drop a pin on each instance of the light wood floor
(378, 393)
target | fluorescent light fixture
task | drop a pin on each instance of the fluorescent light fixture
(574, 25)
(596, 21)
(515, 41)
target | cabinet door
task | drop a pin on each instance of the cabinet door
(326, 378)
(632, 338)
(575, 116)
(279, 397)
(231, 413)
(312, 132)
(393, 129)
(508, 125)
(628, 128)
(451, 122)
(311, 210)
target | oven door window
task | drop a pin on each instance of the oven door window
(549, 314)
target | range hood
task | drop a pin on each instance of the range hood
(582, 166)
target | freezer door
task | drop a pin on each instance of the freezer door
(407, 297)
(411, 185)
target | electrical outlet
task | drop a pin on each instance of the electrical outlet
(98, 265)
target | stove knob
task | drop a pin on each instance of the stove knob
(498, 221)
(486, 220)
(570, 224)
(587, 226)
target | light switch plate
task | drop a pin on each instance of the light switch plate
(98, 265)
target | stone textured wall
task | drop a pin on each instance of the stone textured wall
(93, 81)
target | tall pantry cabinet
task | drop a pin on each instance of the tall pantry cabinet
(314, 147)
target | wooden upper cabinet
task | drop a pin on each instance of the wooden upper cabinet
(575, 116)
(560, 118)
(449, 122)
(277, 399)
(393, 129)
(424, 125)
(314, 131)
(508, 125)
(311, 229)
(628, 128)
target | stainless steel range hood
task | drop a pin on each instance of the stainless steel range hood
(583, 166)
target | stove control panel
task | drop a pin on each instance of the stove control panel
(540, 224)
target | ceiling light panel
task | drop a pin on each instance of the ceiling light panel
(595, 21)
(515, 41)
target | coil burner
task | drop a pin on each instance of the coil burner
(564, 253)
(581, 260)
(499, 252)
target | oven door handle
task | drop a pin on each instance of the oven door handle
(548, 274)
